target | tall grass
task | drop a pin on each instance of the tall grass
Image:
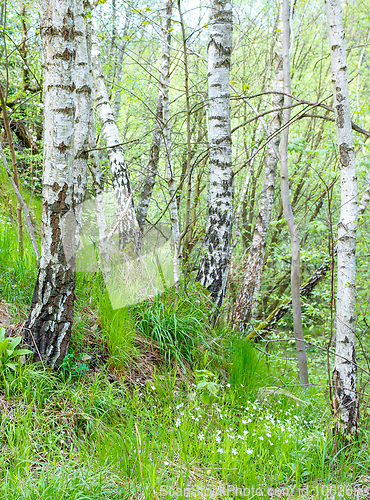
(118, 326)
(178, 322)
(249, 369)
(17, 275)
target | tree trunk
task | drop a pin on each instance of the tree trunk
(94, 166)
(253, 269)
(23, 48)
(284, 183)
(214, 267)
(345, 402)
(174, 215)
(119, 62)
(159, 127)
(84, 110)
(48, 328)
(152, 165)
(129, 228)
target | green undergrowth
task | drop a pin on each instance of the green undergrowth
(90, 438)
(17, 275)
(177, 321)
(218, 413)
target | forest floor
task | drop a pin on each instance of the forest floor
(152, 403)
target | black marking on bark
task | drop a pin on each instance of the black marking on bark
(344, 152)
(340, 115)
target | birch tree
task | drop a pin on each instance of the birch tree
(152, 165)
(48, 328)
(174, 215)
(285, 196)
(118, 69)
(214, 266)
(253, 269)
(129, 228)
(83, 82)
(345, 402)
(94, 166)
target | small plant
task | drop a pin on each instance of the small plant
(9, 355)
(207, 384)
(74, 366)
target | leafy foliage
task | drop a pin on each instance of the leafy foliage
(9, 355)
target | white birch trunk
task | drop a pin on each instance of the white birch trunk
(48, 328)
(285, 196)
(95, 169)
(166, 7)
(83, 103)
(118, 71)
(345, 401)
(129, 228)
(214, 266)
(365, 198)
(152, 165)
(253, 269)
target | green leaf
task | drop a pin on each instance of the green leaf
(206, 398)
(3, 346)
(14, 342)
(21, 352)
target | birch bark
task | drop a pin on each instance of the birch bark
(95, 170)
(214, 266)
(48, 328)
(253, 269)
(174, 215)
(152, 165)
(118, 70)
(345, 402)
(287, 207)
(129, 228)
(83, 102)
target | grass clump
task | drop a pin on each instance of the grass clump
(178, 322)
(249, 370)
(118, 327)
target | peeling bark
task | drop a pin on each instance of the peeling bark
(345, 402)
(214, 267)
(48, 328)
